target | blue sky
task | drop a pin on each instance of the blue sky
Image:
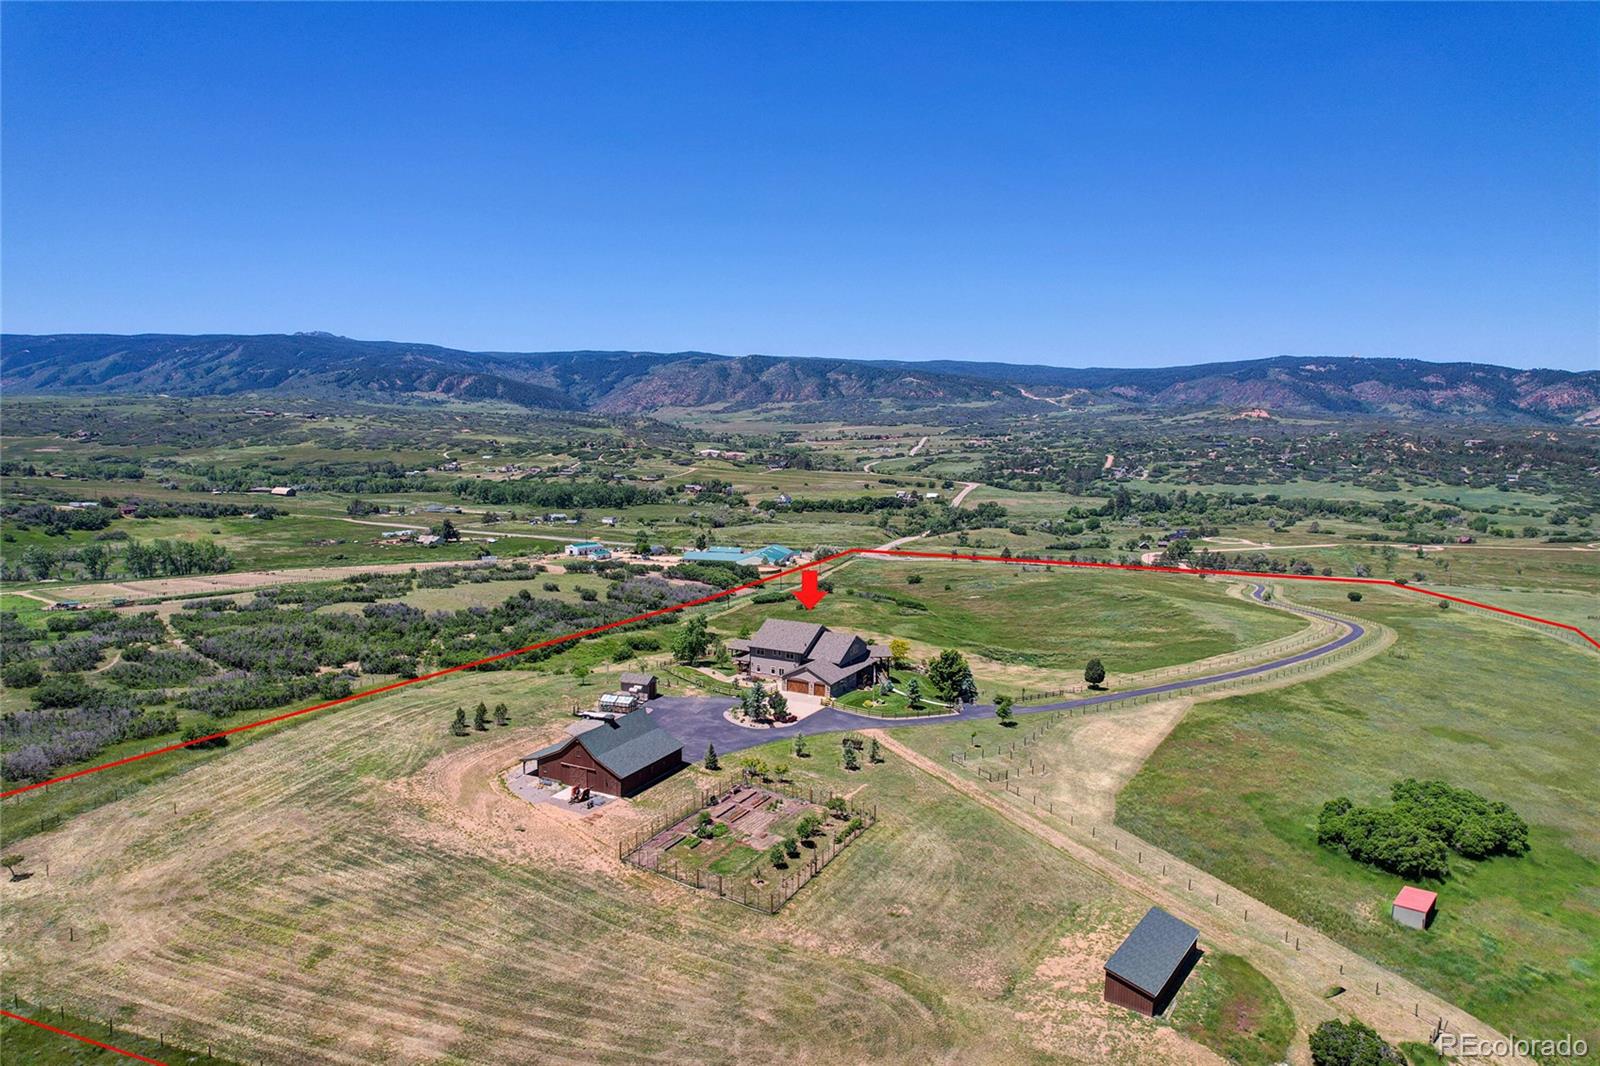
(1073, 184)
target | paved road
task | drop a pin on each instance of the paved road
(698, 720)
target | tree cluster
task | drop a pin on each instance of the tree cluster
(1414, 835)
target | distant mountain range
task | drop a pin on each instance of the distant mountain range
(321, 365)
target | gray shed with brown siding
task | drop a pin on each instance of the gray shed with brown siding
(1147, 970)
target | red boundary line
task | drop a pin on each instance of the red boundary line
(86, 1039)
(721, 595)
(658, 612)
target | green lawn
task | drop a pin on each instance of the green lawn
(1041, 620)
(1231, 1008)
(1484, 705)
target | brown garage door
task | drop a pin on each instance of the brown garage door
(797, 686)
(819, 689)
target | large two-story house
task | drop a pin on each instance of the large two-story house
(804, 657)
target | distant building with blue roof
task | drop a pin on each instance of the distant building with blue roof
(771, 555)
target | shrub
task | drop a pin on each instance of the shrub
(204, 728)
(1336, 1043)
(24, 674)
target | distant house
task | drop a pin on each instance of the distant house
(1415, 907)
(783, 499)
(428, 540)
(619, 757)
(640, 683)
(556, 516)
(608, 520)
(1466, 539)
(1149, 967)
(282, 490)
(588, 549)
(804, 657)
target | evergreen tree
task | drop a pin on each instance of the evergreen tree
(502, 714)
(875, 753)
(459, 726)
(1094, 673)
(480, 718)
(914, 695)
(711, 758)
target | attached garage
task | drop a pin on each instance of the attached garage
(794, 684)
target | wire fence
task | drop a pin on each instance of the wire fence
(1327, 965)
(838, 832)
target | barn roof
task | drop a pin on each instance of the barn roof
(632, 678)
(1153, 951)
(623, 745)
(1416, 899)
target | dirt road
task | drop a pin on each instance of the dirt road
(243, 581)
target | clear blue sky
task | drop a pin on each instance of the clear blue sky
(1070, 184)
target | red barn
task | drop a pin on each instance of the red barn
(619, 757)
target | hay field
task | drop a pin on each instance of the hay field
(360, 889)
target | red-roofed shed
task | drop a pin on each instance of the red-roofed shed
(1415, 907)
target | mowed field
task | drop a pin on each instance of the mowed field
(361, 889)
(1048, 620)
(1486, 705)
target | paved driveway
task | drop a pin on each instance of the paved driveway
(698, 720)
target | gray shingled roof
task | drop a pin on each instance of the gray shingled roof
(633, 678)
(624, 745)
(1153, 951)
(827, 673)
(777, 634)
(838, 649)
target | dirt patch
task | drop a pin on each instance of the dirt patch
(230, 582)
(464, 807)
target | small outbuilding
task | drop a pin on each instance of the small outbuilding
(639, 683)
(618, 757)
(1415, 907)
(619, 703)
(1147, 970)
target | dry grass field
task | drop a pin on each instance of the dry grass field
(363, 889)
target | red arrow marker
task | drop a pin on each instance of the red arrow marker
(808, 593)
